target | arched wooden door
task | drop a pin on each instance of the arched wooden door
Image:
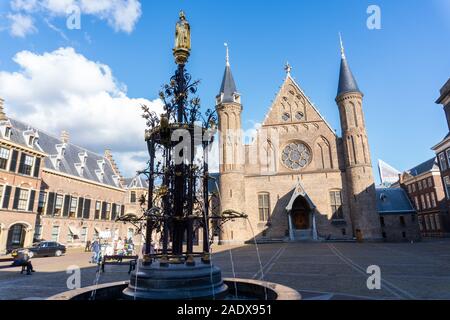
(301, 213)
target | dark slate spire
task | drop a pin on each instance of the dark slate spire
(347, 82)
(228, 88)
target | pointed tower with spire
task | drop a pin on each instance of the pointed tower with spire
(229, 109)
(358, 165)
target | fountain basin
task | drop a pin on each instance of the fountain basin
(247, 289)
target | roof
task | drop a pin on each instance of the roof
(228, 87)
(393, 201)
(347, 82)
(427, 166)
(137, 182)
(442, 142)
(96, 167)
(445, 91)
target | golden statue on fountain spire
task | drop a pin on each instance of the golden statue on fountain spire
(182, 47)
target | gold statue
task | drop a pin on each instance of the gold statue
(182, 40)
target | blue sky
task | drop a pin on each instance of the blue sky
(400, 68)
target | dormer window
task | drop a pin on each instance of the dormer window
(8, 133)
(100, 175)
(116, 180)
(30, 136)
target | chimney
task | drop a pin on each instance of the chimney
(65, 137)
(3, 116)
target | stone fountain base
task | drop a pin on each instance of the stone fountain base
(176, 282)
(240, 288)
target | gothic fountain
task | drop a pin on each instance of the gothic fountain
(178, 206)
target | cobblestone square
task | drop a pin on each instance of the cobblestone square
(320, 271)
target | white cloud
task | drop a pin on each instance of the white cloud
(26, 5)
(63, 90)
(21, 25)
(122, 15)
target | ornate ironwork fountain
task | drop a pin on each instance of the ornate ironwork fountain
(178, 195)
(177, 205)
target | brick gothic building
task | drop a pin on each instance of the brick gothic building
(305, 181)
(424, 188)
(53, 190)
(442, 149)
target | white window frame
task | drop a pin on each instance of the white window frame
(8, 151)
(19, 208)
(41, 226)
(58, 234)
(438, 221)
(447, 186)
(420, 223)
(433, 222)
(416, 200)
(428, 199)
(433, 200)
(443, 161)
(447, 152)
(72, 199)
(84, 238)
(427, 222)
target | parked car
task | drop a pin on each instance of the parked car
(43, 249)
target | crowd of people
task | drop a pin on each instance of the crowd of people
(101, 248)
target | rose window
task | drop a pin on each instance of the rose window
(296, 156)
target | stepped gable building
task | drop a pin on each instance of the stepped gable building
(424, 188)
(298, 179)
(53, 190)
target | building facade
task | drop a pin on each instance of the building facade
(398, 218)
(442, 149)
(297, 179)
(51, 189)
(424, 188)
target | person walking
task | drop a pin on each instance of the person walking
(120, 249)
(95, 248)
(88, 246)
(130, 248)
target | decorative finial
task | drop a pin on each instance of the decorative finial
(228, 54)
(288, 68)
(342, 46)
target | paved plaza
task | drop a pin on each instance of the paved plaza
(320, 271)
